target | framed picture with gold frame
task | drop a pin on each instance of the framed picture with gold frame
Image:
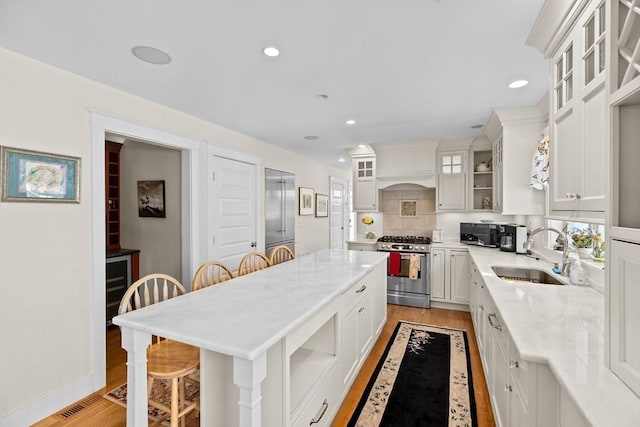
(34, 176)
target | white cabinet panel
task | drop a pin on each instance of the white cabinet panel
(450, 275)
(451, 192)
(365, 192)
(580, 120)
(459, 276)
(438, 262)
(625, 316)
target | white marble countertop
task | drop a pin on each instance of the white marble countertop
(453, 244)
(245, 316)
(563, 327)
(363, 241)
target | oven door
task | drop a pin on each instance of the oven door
(402, 283)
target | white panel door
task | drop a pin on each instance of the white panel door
(339, 213)
(232, 209)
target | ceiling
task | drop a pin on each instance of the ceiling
(404, 70)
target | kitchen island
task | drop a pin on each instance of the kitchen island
(278, 347)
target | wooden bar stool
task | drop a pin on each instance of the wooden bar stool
(251, 262)
(211, 273)
(281, 254)
(166, 359)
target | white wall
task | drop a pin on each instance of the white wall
(158, 239)
(46, 249)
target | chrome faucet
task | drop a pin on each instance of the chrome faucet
(565, 246)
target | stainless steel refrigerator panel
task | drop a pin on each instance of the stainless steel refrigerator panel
(279, 208)
(289, 233)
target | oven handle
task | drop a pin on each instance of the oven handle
(420, 254)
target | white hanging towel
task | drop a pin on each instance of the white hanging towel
(540, 166)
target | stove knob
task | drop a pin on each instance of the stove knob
(410, 247)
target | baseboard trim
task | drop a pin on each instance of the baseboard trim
(49, 404)
(449, 305)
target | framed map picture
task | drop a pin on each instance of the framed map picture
(33, 176)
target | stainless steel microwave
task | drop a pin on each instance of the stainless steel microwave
(480, 234)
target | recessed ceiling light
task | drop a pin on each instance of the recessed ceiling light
(151, 55)
(322, 97)
(341, 160)
(271, 51)
(518, 83)
(477, 126)
(361, 146)
(351, 122)
(311, 138)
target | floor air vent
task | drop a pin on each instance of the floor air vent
(76, 408)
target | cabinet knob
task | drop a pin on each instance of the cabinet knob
(514, 364)
(507, 387)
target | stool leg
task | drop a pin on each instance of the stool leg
(174, 402)
(181, 400)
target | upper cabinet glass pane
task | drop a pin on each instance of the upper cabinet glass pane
(601, 19)
(446, 160)
(569, 59)
(589, 33)
(457, 160)
(559, 74)
(457, 169)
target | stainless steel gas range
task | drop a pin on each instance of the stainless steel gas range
(408, 269)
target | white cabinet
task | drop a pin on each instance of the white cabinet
(451, 192)
(522, 393)
(481, 172)
(624, 313)
(363, 315)
(450, 275)
(579, 125)
(514, 134)
(623, 226)
(365, 192)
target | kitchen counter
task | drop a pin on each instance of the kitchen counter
(363, 241)
(562, 327)
(243, 318)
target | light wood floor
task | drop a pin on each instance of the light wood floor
(104, 413)
(431, 316)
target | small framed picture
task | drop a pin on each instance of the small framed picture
(305, 201)
(33, 176)
(408, 208)
(151, 199)
(322, 205)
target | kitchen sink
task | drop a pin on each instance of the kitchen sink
(526, 275)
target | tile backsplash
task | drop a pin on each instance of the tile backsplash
(421, 224)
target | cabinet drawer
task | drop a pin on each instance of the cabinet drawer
(323, 405)
(353, 295)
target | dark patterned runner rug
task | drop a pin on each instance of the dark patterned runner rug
(423, 379)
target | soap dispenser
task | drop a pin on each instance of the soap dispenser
(576, 273)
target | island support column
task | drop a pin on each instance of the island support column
(248, 375)
(135, 343)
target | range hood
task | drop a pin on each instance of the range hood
(409, 163)
(427, 181)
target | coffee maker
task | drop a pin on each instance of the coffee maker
(507, 240)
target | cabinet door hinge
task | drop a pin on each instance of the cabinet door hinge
(213, 176)
(213, 240)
